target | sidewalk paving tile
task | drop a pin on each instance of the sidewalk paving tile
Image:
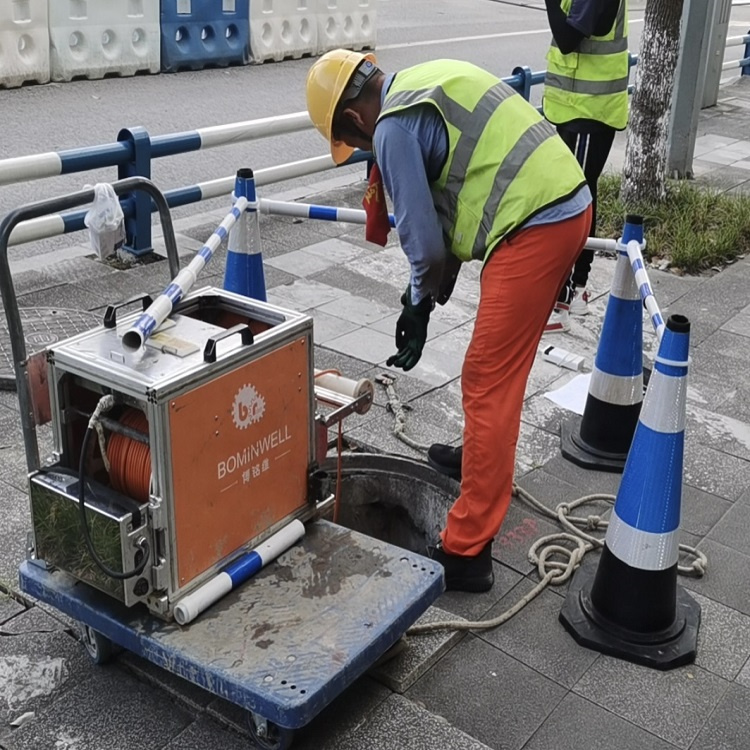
(475, 677)
(204, 734)
(714, 471)
(399, 723)
(421, 652)
(137, 717)
(579, 724)
(701, 511)
(304, 294)
(365, 344)
(733, 529)
(672, 705)
(729, 725)
(723, 638)
(357, 309)
(536, 638)
(9, 607)
(475, 607)
(726, 579)
(38, 666)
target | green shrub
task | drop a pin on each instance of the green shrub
(695, 228)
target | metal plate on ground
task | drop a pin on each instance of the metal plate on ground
(42, 327)
(290, 640)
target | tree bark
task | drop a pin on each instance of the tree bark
(645, 170)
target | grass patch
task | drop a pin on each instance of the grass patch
(695, 228)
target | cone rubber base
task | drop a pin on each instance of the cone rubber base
(573, 448)
(678, 648)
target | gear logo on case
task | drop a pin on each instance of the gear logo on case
(248, 407)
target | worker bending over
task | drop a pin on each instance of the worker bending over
(474, 173)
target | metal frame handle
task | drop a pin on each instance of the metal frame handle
(10, 301)
(209, 353)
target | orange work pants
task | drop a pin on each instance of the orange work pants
(518, 289)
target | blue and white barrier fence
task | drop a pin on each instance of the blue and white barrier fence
(134, 150)
(743, 63)
(358, 216)
(644, 287)
(158, 311)
(242, 569)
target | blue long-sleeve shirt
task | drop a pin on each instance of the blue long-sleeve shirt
(411, 147)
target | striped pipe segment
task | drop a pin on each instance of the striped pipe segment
(644, 530)
(237, 572)
(159, 310)
(644, 287)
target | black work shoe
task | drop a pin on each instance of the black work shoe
(446, 459)
(465, 573)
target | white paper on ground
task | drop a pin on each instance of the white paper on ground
(573, 394)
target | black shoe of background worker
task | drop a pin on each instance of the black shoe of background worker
(472, 574)
(446, 459)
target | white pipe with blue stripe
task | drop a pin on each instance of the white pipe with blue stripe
(644, 287)
(160, 308)
(239, 571)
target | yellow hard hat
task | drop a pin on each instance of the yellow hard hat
(328, 79)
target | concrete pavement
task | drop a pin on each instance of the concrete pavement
(523, 686)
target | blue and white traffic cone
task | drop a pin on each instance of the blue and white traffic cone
(632, 607)
(601, 438)
(244, 269)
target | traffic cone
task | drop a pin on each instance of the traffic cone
(601, 438)
(244, 270)
(632, 607)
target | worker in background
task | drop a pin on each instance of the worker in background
(468, 164)
(586, 97)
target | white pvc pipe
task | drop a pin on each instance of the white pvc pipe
(236, 132)
(160, 308)
(644, 287)
(34, 167)
(37, 229)
(239, 571)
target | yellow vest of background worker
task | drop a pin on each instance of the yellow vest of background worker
(505, 163)
(591, 83)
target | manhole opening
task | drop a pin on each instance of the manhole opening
(394, 499)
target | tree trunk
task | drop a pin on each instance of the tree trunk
(645, 171)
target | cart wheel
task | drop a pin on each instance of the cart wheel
(98, 646)
(268, 736)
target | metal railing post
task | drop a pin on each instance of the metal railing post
(138, 224)
(524, 71)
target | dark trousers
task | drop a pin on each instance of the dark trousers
(592, 151)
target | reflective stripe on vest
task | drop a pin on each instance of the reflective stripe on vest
(592, 82)
(477, 196)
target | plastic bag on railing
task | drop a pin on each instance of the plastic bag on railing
(105, 221)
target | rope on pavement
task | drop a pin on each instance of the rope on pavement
(556, 556)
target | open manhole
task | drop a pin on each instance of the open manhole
(391, 498)
(42, 327)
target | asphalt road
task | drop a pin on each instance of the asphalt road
(497, 34)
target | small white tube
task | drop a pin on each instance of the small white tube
(563, 358)
(190, 606)
(281, 541)
(237, 572)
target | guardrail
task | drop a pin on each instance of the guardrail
(135, 148)
(743, 63)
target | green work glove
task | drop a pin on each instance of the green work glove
(411, 331)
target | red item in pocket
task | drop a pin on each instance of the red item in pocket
(378, 224)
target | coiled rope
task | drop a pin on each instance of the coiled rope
(555, 556)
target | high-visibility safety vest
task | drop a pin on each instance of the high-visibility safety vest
(505, 163)
(591, 83)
